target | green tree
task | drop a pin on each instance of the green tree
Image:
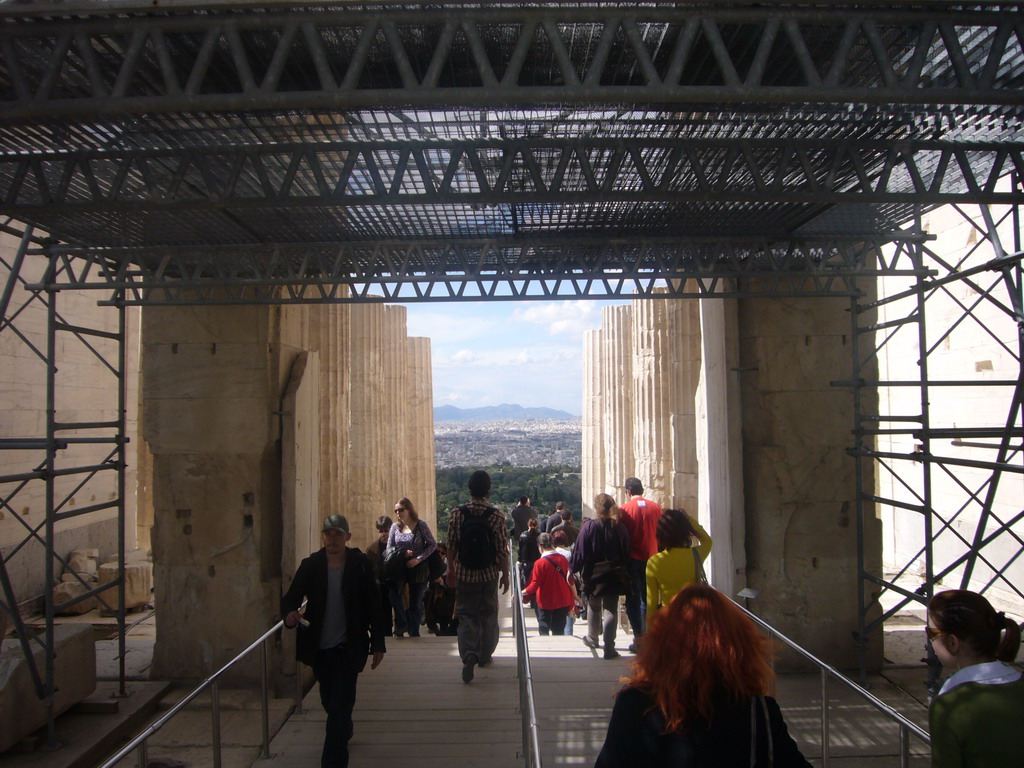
(544, 485)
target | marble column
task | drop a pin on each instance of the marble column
(593, 468)
(684, 340)
(652, 398)
(420, 435)
(365, 497)
(617, 386)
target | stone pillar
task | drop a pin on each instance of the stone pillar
(684, 339)
(616, 384)
(341, 318)
(719, 445)
(365, 496)
(593, 437)
(211, 389)
(800, 486)
(652, 395)
(420, 435)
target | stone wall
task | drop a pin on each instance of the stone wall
(799, 483)
(726, 408)
(236, 395)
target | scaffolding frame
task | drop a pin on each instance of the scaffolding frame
(992, 541)
(59, 464)
(271, 152)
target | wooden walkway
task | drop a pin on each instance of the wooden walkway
(416, 707)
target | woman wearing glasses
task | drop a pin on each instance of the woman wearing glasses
(412, 535)
(977, 716)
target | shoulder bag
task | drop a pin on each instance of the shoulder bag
(698, 567)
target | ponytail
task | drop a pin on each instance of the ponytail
(1010, 642)
(972, 618)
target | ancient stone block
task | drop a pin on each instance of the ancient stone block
(21, 711)
(69, 590)
(138, 583)
(82, 563)
(131, 556)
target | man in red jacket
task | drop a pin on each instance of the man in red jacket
(549, 581)
(640, 516)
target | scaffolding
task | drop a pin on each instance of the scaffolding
(270, 152)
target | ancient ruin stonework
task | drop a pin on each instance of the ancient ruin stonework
(227, 500)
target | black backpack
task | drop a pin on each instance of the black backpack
(476, 543)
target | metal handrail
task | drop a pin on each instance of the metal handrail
(826, 671)
(139, 742)
(527, 705)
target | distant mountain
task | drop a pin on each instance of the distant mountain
(497, 412)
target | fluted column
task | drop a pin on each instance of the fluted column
(593, 467)
(330, 351)
(684, 322)
(616, 383)
(420, 436)
(365, 499)
(392, 428)
(341, 315)
(651, 381)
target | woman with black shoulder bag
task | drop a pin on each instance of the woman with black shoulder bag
(412, 536)
(599, 556)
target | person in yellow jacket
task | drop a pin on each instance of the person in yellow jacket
(674, 566)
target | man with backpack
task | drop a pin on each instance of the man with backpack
(478, 560)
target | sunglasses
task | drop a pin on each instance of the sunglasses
(933, 633)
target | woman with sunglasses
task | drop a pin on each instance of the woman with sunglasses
(414, 536)
(977, 716)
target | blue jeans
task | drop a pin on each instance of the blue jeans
(337, 680)
(552, 621)
(636, 606)
(408, 620)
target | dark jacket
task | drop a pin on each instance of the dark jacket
(636, 739)
(599, 540)
(529, 549)
(364, 618)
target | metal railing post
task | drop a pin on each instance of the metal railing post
(824, 720)
(827, 672)
(143, 758)
(215, 713)
(265, 696)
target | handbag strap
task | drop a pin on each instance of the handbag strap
(698, 566)
(758, 703)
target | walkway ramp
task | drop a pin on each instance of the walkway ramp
(415, 706)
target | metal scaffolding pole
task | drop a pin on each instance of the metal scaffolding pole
(72, 455)
(945, 556)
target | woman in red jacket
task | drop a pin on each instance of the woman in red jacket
(549, 582)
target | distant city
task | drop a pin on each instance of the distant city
(520, 442)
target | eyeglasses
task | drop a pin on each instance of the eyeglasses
(933, 633)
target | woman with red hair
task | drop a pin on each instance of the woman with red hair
(698, 695)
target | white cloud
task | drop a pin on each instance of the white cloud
(561, 317)
(465, 356)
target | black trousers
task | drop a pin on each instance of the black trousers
(337, 680)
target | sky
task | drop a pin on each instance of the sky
(524, 352)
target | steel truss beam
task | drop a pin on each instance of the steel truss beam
(63, 461)
(56, 64)
(972, 537)
(509, 172)
(511, 269)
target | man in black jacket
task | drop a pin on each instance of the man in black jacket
(342, 626)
